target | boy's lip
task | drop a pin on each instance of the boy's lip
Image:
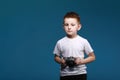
(69, 31)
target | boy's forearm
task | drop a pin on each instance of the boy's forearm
(89, 59)
(58, 59)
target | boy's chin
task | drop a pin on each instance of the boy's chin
(70, 34)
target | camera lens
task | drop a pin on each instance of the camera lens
(70, 62)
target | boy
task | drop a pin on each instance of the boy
(69, 51)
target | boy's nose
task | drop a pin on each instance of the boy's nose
(69, 27)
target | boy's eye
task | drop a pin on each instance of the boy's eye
(72, 24)
(68, 24)
(65, 24)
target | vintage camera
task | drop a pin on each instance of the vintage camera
(70, 61)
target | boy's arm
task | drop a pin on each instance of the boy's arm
(90, 58)
(59, 60)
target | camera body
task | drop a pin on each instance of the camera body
(70, 61)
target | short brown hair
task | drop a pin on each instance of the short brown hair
(72, 15)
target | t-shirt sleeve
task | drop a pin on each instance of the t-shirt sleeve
(57, 50)
(88, 48)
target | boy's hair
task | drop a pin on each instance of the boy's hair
(72, 15)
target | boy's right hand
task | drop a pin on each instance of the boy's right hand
(63, 63)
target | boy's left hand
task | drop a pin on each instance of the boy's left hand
(79, 61)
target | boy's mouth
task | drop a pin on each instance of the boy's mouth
(69, 31)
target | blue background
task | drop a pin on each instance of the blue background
(29, 30)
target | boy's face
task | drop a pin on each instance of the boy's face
(71, 26)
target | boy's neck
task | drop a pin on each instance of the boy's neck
(70, 36)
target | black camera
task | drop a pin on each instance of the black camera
(70, 61)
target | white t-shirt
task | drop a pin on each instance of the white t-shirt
(75, 47)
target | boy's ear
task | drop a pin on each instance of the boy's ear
(79, 27)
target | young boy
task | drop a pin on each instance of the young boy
(70, 50)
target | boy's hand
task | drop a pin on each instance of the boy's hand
(79, 61)
(63, 64)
